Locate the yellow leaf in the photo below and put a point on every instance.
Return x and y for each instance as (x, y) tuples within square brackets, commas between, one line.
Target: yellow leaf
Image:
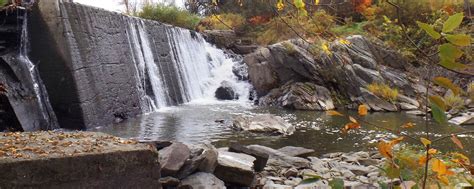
[(325, 48), (362, 110), (443, 179), (438, 101), (408, 125), (457, 141), (344, 41), (447, 83), (396, 141), (280, 6), (432, 151), (385, 148), (422, 160), (353, 120), (438, 166), (460, 159), (425, 141), (333, 113), (316, 2)]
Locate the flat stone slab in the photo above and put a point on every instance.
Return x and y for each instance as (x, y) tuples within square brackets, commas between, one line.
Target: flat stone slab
[(296, 151), (76, 159)]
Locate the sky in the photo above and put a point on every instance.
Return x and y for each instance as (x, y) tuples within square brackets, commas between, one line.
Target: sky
[(114, 5)]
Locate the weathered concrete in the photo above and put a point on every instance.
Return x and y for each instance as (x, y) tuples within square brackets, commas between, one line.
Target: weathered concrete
[(76, 160)]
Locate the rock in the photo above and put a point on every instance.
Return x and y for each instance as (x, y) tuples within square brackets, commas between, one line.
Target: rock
[(264, 123), (368, 161), (226, 92), (406, 106), (169, 182), (260, 158), (172, 158), (296, 151), (272, 185), (275, 154), (375, 103), (261, 74), (221, 38), (159, 144), (241, 70), (204, 159), (358, 170), (408, 100), (244, 49), (299, 96), (201, 180), (415, 112), (235, 168), (292, 172), (464, 119)]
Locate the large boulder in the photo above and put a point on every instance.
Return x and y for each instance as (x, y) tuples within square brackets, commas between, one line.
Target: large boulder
[(296, 151), (172, 158), (281, 156), (261, 74), (203, 159), (202, 180), (260, 158), (226, 92), (235, 168), (300, 96), (265, 123)]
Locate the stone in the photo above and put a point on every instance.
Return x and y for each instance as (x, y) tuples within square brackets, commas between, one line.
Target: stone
[(203, 159), (408, 100), (275, 154), (226, 92), (201, 180), (368, 161), (464, 119), (173, 157), (235, 168), (244, 49), (292, 172), (406, 106), (296, 151), (415, 112), (261, 74), (265, 123), (221, 38), (169, 182), (358, 170), (116, 163), (272, 185), (299, 96), (375, 103), (159, 144), (260, 158)]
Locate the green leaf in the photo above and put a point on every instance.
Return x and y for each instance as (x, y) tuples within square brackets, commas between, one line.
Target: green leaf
[(429, 29), (311, 179), (453, 22), (393, 172), (336, 183), (447, 83), (438, 101), (384, 185), (459, 40), (452, 64), (449, 51), (438, 114)]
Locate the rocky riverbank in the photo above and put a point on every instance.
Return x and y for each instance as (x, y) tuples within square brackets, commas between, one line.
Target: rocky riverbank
[(256, 166)]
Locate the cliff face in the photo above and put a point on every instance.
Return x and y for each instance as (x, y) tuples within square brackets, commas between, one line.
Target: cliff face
[(96, 64)]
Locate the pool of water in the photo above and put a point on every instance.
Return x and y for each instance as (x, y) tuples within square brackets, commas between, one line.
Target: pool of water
[(196, 123)]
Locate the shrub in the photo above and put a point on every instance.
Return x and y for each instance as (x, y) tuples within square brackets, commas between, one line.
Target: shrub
[(454, 102), (383, 91), (170, 15), (3, 3), (470, 90), (229, 21), (290, 49)]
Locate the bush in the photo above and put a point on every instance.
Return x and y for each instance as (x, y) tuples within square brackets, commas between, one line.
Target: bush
[(383, 91), (170, 15), (227, 21), (470, 90), (454, 102)]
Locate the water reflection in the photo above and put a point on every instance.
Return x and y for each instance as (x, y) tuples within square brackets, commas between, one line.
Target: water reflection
[(315, 130)]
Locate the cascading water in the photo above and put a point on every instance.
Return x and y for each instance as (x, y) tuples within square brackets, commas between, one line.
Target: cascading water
[(199, 69), (49, 120)]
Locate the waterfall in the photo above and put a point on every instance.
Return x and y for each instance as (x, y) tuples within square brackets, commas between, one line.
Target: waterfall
[(29, 71), (198, 68)]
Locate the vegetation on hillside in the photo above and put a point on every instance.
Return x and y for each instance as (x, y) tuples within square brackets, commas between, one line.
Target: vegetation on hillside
[(170, 15)]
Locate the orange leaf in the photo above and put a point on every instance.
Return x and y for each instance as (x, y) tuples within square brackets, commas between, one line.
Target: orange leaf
[(396, 141), (457, 141), (363, 110), (333, 113), (438, 166), (432, 151), (385, 149), (353, 120), (350, 126), (422, 160), (443, 179), (408, 125), (460, 159)]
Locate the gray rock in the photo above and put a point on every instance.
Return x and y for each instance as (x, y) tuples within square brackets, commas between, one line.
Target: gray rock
[(261, 158), (172, 158), (406, 106), (464, 119), (415, 112), (358, 170), (235, 168), (264, 123), (261, 73), (296, 151), (275, 154), (408, 100), (292, 172), (226, 92), (272, 185), (203, 159), (169, 182), (201, 180), (375, 103)]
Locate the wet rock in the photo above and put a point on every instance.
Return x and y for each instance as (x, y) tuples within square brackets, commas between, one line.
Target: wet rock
[(244, 49), (261, 73), (260, 158), (264, 123), (241, 70), (275, 154), (464, 119), (296, 151), (226, 92), (235, 168), (299, 96), (172, 158), (201, 180), (169, 182)]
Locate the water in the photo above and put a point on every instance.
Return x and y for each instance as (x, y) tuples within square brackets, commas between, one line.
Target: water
[(196, 123)]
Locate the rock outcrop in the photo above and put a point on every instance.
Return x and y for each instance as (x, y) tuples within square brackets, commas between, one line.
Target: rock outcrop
[(226, 92), (287, 74), (265, 123)]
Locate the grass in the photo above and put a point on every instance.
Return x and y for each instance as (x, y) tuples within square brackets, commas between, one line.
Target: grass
[(470, 90), (3, 3), (454, 102), (226, 21), (383, 91), (170, 15)]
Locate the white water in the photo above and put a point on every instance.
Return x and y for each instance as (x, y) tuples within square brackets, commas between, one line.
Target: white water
[(200, 69)]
